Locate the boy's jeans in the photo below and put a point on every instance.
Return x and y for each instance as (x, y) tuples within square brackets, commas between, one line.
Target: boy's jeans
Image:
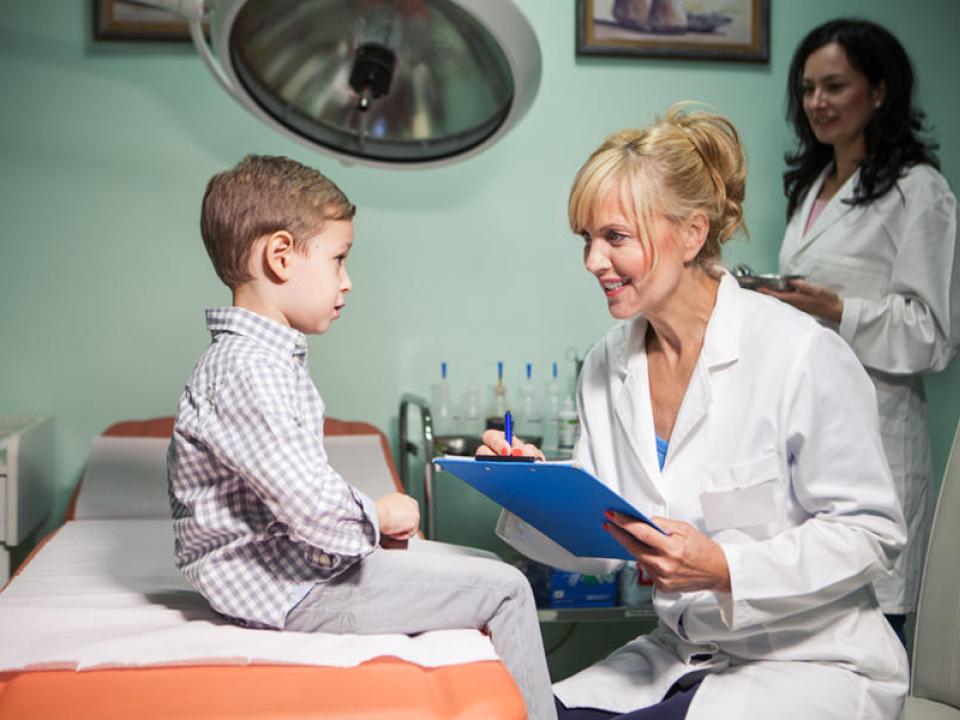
[(412, 591)]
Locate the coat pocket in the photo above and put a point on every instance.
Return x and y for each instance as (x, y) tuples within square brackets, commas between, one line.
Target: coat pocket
[(740, 496)]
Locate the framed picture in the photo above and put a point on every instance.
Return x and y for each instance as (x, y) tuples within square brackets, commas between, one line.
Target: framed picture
[(698, 29), (127, 20)]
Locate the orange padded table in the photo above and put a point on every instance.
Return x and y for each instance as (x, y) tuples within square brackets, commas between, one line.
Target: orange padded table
[(384, 688)]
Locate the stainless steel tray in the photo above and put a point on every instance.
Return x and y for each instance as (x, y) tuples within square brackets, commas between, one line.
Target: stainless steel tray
[(772, 281)]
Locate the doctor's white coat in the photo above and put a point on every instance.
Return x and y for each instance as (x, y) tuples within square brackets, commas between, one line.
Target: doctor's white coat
[(896, 264), (776, 455)]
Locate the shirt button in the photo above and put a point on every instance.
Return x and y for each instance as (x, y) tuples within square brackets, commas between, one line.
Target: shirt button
[(325, 560)]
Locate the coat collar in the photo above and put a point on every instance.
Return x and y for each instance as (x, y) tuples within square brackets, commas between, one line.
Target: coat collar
[(633, 406), (836, 208), (721, 344)]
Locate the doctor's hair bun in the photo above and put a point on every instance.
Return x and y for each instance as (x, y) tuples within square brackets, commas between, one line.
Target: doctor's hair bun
[(704, 168), (684, 163)]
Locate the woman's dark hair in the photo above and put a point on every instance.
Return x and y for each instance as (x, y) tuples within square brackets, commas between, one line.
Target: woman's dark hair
[(893, 133)]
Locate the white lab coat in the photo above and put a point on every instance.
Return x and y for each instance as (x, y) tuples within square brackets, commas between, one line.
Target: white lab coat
[(895, 264), (775, 454)]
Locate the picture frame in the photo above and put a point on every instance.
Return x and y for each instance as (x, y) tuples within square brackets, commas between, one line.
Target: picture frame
[(126, 20), (737, 30)]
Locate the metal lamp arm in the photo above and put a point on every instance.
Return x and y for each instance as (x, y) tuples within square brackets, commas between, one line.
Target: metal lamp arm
[(195, 22), (195, 12)]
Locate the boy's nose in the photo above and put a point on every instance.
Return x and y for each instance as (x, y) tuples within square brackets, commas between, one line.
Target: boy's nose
[(346, 284)]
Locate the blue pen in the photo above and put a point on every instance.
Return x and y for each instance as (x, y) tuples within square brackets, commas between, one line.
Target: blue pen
[(508, 428)]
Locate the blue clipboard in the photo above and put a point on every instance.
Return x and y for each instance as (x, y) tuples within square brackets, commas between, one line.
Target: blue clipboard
[(561, 500)]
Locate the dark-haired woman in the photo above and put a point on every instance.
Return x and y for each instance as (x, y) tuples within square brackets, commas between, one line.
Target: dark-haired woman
[(873, 230)]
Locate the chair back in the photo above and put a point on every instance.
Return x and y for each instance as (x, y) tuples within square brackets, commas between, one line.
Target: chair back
[(936, 649)]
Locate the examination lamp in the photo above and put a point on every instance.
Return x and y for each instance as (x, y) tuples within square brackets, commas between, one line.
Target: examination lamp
[(388, 83)]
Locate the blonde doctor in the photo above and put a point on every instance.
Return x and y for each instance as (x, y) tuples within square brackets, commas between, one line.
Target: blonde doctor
[(749, 432), (873, 229)]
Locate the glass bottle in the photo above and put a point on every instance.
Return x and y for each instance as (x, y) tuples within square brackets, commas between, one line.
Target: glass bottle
[(529, 419), (499, 404)]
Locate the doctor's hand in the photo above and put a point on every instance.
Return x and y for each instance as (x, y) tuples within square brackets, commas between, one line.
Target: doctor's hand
[(494, 443), (398, 515), (683, 560), (811, 298)]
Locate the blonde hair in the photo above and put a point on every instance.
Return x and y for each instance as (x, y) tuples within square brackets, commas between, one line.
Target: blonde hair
[(262, 195), (684, 162)]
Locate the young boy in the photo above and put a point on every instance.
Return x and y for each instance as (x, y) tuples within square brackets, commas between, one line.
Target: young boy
[(265, 529)]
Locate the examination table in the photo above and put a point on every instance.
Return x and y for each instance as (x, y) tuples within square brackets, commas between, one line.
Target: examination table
[(99, 624)]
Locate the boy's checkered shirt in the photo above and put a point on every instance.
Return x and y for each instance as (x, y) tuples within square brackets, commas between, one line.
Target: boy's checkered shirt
[(258, 513)]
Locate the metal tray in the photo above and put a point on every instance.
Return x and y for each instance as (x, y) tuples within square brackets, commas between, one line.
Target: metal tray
[(772, 281)]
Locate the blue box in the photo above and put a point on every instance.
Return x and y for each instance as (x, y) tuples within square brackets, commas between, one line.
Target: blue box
[(553, 588)]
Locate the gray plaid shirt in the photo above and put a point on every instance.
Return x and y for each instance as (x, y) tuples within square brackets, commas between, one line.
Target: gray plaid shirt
[(258, 513)]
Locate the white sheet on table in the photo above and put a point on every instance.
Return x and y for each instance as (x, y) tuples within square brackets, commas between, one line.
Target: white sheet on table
[(105, 593), (127, 477)]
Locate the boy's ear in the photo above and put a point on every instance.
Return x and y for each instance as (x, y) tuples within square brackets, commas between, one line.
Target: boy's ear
[(278, 251)]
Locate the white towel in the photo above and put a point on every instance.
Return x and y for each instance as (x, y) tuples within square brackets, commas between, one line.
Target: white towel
[(106, 593)]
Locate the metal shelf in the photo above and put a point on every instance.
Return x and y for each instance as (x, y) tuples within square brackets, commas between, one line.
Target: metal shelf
[(596, 614)]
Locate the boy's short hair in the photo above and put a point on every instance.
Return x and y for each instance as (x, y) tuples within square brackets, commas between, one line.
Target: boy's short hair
[(265, 194)]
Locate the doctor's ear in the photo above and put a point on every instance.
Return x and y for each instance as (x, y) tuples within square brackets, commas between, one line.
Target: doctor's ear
[(693, 235), (879, 94), (277, 250)]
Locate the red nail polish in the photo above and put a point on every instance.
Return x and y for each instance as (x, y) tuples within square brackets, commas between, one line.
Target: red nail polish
[(608, 514), (516, 451), (505, 451)]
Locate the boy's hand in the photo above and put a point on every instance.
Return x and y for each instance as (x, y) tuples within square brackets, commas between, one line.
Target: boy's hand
[(399, 516)]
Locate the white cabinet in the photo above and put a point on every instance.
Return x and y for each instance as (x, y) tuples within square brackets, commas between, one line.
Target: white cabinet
[(26, 481)]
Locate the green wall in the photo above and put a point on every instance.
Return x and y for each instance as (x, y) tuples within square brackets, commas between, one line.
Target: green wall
[(105, 150)]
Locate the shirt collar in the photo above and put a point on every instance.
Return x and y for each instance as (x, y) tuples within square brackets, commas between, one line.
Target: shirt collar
[(237, 321)]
